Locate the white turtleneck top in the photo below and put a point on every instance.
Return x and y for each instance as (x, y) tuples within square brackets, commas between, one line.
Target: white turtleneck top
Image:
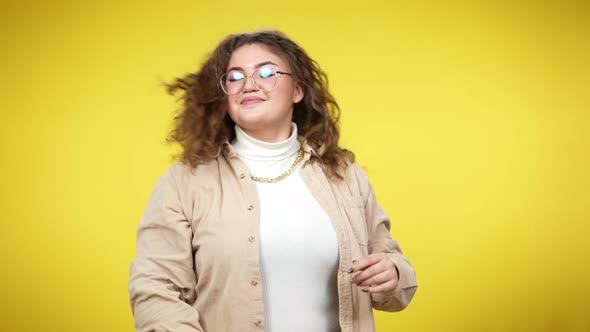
[(298, 244)]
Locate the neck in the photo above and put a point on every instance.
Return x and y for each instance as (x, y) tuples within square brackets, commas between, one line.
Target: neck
[(271, 135), (268, 137), (253, 148)]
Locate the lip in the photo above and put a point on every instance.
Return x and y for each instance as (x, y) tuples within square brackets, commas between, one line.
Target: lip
[(251, 100)]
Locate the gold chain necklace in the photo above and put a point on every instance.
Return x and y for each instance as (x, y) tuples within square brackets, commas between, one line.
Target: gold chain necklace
[(284, 175)]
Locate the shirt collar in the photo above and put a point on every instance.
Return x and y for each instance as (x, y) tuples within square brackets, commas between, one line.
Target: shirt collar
[(228, 151)]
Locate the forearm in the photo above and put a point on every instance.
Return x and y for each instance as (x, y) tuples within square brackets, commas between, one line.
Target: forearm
[(158, 305)]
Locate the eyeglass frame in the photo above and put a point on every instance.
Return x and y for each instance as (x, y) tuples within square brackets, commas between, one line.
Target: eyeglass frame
[(277, 73)]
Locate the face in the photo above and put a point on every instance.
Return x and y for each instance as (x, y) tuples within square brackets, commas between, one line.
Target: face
[(264, 115)]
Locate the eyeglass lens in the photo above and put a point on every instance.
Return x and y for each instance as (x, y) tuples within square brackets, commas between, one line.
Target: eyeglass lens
[(263, 79)]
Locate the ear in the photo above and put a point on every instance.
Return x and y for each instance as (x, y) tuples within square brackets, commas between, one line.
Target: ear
[(298, 93)]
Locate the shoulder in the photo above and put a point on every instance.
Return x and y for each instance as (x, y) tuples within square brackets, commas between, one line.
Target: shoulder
[(355, 181), (181, 170), (188, 186), (354, 173), (183, 176)]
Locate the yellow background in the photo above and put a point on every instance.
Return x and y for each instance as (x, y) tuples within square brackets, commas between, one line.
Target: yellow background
[(471, 119)]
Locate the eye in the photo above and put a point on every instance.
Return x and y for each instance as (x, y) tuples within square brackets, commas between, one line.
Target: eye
[(235, 76), (266, 72)]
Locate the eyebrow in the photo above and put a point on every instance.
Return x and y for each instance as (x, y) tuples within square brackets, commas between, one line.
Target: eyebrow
[(255, 67)]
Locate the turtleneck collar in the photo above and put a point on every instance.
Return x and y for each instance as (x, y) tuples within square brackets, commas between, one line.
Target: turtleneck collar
[(250, 148)]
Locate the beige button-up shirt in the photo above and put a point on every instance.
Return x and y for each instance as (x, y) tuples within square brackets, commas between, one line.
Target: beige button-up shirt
[(198, 267)]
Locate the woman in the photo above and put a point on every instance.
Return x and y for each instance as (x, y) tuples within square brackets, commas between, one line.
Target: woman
[(266, 224)]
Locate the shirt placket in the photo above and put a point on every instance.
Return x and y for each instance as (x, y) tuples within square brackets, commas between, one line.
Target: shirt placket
[(253, 278), (319, 186)]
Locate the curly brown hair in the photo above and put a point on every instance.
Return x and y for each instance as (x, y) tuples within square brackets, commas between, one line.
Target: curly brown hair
[(203, 123)]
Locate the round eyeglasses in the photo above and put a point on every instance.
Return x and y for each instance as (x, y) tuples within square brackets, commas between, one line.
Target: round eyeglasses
[(263, 79)]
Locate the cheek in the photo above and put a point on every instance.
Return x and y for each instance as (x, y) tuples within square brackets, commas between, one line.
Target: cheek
[(285, 94), (232, 102), (232, 108)]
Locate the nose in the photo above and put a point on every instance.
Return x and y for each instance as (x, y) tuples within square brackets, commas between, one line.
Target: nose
[(249, 85)]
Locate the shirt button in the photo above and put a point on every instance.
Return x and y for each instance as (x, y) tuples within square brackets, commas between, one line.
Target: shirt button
[(254, 283), (251, 239), (258, 323), (242, 176), (250, 208)]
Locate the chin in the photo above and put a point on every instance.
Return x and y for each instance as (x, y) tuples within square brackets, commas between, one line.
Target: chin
[(250, 112), (251, 123)]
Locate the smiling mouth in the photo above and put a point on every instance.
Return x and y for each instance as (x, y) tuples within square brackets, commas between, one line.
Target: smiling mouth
[(248, 101)]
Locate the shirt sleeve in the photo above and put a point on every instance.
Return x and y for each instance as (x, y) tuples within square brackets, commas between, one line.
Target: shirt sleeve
[(162, 278), (380, 240)]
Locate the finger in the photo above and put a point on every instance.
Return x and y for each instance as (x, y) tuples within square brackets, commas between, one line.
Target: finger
[(367, 261), (369, 272), (387, 287), (378, 279), (384, 264)]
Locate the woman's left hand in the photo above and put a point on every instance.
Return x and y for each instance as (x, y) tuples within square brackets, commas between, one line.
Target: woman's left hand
[(375, 273)]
